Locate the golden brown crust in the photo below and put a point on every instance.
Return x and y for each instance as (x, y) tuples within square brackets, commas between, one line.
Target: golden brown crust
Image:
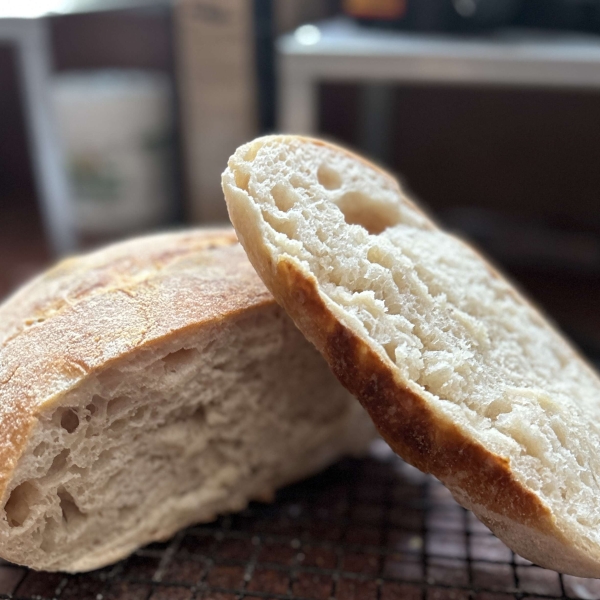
[(89, 311)]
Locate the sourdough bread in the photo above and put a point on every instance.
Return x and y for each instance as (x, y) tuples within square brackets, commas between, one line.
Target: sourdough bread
[(150, 385), (462, 376)]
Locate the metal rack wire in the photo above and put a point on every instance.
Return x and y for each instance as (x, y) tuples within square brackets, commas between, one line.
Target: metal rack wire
[(368, 529)]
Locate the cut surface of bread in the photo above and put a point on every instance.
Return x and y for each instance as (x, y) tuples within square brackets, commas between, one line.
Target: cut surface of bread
[(463, 377), (150, 385)]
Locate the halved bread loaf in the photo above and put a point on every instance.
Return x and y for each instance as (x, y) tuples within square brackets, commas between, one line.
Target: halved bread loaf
[(462, 376), (150, 385)]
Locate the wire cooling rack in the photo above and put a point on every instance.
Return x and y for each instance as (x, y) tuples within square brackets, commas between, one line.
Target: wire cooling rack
[(368, 529)]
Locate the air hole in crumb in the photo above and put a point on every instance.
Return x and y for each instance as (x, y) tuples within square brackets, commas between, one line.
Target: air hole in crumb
[(91, 409), (298, 181), (390, 350), (69, 421), (104, 459), (59, 462), (377, 256), (40, 449), (251, 152), (283, 197), (375, 217), (285, 227), (329, 178), (97, 408), (242, 180), (199, 415), (560, 432), (498, 407), (118, 405), (178, 359), (138, 417), (118, 425), (222, 365), (19, 503), (70, 511)]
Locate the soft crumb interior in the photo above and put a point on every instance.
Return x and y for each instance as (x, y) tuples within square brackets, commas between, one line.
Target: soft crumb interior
[(457, 332), (180, 434)]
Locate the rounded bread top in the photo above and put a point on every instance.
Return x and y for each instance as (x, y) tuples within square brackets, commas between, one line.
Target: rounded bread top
[(88, 311)]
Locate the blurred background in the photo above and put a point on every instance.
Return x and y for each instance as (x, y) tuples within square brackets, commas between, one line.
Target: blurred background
[(118, 116)]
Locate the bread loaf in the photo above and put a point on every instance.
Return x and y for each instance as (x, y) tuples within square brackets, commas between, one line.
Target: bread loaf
[(150, 385), (462, 376)]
